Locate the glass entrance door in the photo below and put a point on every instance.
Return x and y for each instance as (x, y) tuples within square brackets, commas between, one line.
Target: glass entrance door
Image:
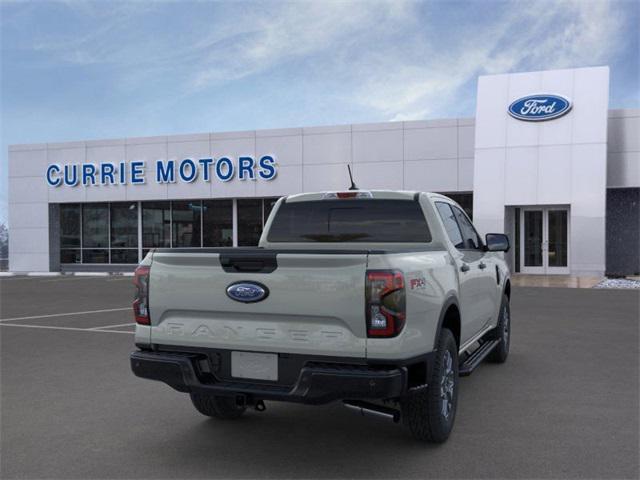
[(544, 241)]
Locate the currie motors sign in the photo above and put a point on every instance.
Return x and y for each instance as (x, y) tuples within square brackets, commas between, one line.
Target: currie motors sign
[(188, 170), (536, 108)]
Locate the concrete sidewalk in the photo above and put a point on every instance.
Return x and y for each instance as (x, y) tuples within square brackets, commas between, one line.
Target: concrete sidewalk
[(555, 281)]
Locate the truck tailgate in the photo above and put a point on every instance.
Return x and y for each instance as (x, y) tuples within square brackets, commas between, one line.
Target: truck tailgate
[(315, 303)]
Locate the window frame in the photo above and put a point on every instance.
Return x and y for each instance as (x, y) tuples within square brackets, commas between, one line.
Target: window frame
[(453, 205), (436, 203)]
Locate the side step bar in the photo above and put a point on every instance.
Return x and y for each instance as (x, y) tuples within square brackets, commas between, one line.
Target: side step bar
[(469, 365)]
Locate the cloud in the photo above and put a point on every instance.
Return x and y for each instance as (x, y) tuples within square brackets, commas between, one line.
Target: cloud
[(538, 36), (393, 57), (291, 31)]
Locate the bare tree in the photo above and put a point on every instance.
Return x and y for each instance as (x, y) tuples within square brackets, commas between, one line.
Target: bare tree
[(4, 241)]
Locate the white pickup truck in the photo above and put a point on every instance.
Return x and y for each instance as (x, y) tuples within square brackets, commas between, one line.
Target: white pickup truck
[(379, 299)]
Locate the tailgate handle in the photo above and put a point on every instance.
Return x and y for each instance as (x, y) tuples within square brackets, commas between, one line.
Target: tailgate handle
[(251, 263)]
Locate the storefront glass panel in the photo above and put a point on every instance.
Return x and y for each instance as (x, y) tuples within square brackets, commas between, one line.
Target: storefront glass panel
[(186, 223), (95, 225), (156, 224), (558, 241), (249, 222), (217, 223)]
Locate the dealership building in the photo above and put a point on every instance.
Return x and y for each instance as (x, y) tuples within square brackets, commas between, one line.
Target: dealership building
[(544, 160)]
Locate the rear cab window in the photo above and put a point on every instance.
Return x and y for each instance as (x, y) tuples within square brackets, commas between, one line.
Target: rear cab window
[(350, 220)]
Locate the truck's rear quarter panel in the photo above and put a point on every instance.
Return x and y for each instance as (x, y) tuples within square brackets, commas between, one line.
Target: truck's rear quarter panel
[(429, 279), (315, 304)]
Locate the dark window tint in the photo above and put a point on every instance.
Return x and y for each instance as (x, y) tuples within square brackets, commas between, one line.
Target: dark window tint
[(465, 200), (95, 225), (70, 255), (217, 223), (269, 203), (249, 222), (124, 225), (127, 255), (156, 224), (450, 224), (186, 223), (69, 226), (358, 220), (471, 238), (95, 256)]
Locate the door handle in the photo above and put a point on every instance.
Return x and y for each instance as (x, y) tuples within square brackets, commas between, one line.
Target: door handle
[(482, 266), (464, 268)]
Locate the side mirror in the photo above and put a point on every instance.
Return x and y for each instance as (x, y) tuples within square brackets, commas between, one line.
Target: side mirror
[(497, 242)]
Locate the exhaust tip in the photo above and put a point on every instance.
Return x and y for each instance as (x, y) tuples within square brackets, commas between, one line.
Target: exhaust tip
[(367, 409)]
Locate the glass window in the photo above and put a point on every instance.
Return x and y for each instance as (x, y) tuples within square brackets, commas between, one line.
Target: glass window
[(269, 203), (95, 225), (124, 225), (558, 241), (156, 224), (533, 234), (95, 255), (69, 225), (367, 220), (125, 255), (186, 223), (471, 238), (450, 224), (249, 222), (217, 223), (465, 200), (70, 255)]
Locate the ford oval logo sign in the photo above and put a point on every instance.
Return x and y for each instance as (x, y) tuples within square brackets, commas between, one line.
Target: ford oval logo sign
[(247, 292), (536, 108)]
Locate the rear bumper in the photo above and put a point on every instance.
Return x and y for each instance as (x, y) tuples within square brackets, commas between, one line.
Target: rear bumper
[(316, 383)]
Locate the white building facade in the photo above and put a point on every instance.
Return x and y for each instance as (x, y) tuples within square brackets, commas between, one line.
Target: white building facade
[(544, 160)]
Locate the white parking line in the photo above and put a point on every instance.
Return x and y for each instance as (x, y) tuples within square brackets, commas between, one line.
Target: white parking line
[(63, 328), (112, 326), (69, 278), (88, 312)]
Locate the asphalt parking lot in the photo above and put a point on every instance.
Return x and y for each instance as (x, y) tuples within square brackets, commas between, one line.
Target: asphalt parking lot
[(565, 405)]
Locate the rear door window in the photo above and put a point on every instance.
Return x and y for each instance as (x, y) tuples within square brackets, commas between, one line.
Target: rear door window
[(350, 220)]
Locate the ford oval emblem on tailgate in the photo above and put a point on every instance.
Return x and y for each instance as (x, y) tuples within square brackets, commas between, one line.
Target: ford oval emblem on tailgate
[(247, 292)]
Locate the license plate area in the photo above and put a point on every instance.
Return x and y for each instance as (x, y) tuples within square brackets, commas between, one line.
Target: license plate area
[(256, 366)]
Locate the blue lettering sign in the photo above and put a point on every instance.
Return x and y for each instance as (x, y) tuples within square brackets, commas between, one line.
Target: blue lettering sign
[(71, 175), (137, 172), (165, 173), (51, 180), (267, 168), (224, 164), (206, 166), (245, 168), (188, 174), (106, 173)]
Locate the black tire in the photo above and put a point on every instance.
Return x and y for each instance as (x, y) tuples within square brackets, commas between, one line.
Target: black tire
[(217, 407), (503, 333), (424, 410)]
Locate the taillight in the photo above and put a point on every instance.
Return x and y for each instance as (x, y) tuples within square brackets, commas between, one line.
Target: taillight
[(141, 298), (385, 303)]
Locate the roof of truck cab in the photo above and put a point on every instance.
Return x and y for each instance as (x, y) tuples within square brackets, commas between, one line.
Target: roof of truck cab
[(382, 194)]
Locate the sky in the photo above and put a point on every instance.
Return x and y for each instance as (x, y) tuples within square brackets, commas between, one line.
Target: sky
[(74, 70)]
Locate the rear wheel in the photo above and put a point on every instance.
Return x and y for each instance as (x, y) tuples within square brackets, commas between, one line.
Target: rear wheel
[(430, 412), (216, 406)]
